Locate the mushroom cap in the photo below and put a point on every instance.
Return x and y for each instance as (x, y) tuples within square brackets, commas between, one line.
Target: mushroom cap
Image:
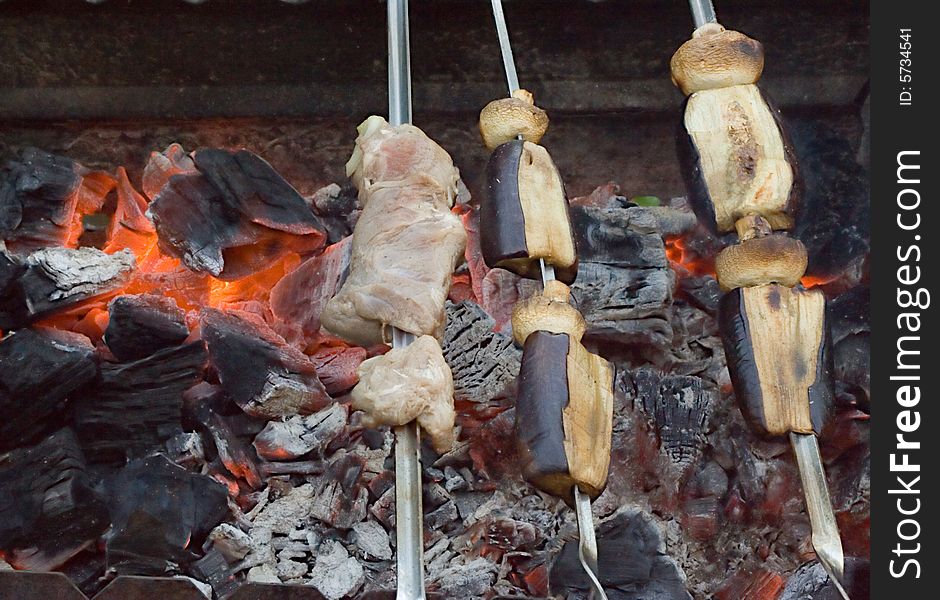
[(761, 260), (716, 58), (548, 311), (507, 118)]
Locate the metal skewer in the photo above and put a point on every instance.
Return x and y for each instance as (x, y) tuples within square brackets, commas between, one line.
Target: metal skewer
[(587, 542), (826, 540), (509, 64), (702, 12), (408, 510)]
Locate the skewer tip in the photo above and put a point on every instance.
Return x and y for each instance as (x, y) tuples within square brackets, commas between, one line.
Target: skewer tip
[(587, 543), (831, 558)]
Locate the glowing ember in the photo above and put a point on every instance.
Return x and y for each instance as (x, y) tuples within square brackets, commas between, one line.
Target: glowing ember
[(685, 261)]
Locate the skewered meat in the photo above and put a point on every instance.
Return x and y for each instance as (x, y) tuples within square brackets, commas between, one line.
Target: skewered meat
[(406, 243), (386, 155), (405, 248), (413, 382)]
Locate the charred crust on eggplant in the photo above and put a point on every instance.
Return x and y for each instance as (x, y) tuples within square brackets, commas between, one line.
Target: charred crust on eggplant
[(503, 236), (739, 353), (690, 161), (540, 404), (821, 396)]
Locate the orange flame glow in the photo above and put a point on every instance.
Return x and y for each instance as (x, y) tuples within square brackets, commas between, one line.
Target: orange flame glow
[(686, 262)]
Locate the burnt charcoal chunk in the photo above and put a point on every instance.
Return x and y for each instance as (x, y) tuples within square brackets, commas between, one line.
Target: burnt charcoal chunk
[(160, 512), (234, 217), (13, 310), (337, 367), (338, 208), (299, 297), (624, 285), (39, 368), (55, 278), (811, 582), (226, 430), (140, 325), (136, 406), (626, 237), (625, 305), (215, 570), (297, 436), (483, 361), (235, 452), (702, 291), (851, 353), (258, 370), (251, 185), (38, 195), (678, 406), (10, 271), (542, 398), (632, 563), (834, 222), (47, 504), (85, 570)]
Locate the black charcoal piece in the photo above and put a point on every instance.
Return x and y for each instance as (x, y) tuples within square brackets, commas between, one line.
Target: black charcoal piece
[(39, 369), (624, 285), (235, 451), (52, 279), (484, 362), (625, 305), (258, 370), (297, 436), (702, 291), (234, 217), (10, 271), (38, 195), (227, 431), (834, 222), (139, 325), (160, 512), (215, 570), (135, 407), (626, 237), (632, 562), (48, 510), (678, 406), (338, 209)]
